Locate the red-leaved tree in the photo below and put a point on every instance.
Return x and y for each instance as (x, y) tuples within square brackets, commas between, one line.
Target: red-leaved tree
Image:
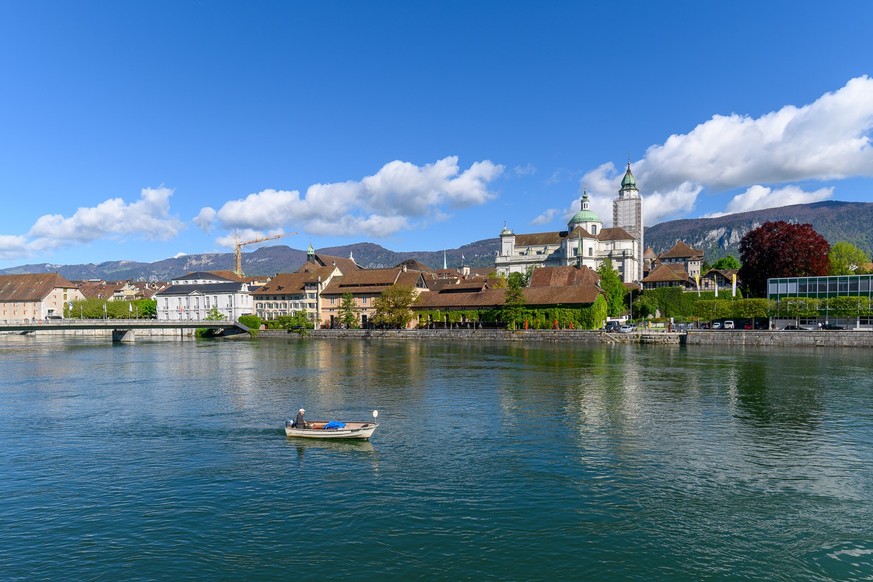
[(780, 249)]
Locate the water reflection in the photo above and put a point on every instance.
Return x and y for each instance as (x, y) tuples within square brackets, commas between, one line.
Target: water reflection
[(607, 462)]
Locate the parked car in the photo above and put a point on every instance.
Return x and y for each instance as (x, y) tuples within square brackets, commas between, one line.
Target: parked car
[(832, 326), (627, 328), (792, 327), (612, 326), (728, 324), (716, 325)]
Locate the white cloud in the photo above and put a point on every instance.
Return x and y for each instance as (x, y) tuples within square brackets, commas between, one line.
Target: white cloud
[(13, 247), (826, 140), (525, 170), (758, 197), (546, 217), (148, 218), (400, 196), (659, 205)]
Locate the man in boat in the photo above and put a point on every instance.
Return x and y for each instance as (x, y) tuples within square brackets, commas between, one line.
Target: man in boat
[(299, 422)]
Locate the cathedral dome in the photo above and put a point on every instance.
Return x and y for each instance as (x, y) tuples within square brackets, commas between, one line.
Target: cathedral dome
[(584, 215)]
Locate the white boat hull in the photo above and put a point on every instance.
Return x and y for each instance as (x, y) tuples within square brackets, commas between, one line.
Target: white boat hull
[(352, 430)]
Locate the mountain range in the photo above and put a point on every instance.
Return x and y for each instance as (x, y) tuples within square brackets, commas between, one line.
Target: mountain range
[(717, 236), (720, 236)]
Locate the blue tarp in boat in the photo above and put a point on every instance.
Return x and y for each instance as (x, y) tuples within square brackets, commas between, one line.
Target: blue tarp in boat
[(334, 424)]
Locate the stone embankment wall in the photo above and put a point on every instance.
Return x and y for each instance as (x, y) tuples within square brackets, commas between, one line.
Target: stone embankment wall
[(817, 338), (856, 338), (549, 335)]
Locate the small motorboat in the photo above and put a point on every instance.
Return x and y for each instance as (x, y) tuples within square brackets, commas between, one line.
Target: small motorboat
[(320, 429)]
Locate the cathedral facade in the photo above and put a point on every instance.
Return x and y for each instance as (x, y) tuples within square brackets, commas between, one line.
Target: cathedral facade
[(585, 242)]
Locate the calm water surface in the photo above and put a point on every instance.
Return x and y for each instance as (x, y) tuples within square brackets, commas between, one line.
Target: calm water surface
[(506, 462)]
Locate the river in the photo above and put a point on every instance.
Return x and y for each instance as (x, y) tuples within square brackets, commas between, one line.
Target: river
[(167, 461)]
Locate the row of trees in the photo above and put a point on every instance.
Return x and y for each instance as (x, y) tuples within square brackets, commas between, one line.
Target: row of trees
[(676, 303), (793, 308), (100, 308)]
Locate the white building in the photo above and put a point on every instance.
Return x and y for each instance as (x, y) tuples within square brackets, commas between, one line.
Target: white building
[(584, 243), (194, 296)]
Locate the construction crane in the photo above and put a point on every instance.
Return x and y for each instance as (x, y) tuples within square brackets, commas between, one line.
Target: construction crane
[(237, 250)]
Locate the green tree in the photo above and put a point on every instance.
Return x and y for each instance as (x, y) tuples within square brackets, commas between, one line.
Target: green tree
[(517, 280), (145, 308), (595, 316), (253, 322), (644, 306), (726, 263), (614, 288), (297, 322), (513, 301), (847, 259), (214, 315), (496, 281), (845, 306), (393, 306), (347, 316)]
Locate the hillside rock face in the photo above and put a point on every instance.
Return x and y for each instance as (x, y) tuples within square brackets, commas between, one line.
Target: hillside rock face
[(719, 236)]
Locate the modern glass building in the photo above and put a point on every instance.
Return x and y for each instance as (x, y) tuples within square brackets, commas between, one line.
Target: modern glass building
[(820, 287)]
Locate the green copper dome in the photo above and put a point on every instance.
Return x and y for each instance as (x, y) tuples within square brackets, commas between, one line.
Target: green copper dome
[(584, 215), (628, 181)]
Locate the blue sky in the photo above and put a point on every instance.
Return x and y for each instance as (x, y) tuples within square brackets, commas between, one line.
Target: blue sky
[(145, 130)]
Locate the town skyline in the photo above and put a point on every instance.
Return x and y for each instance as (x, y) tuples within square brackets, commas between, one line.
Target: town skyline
[(145, 133)]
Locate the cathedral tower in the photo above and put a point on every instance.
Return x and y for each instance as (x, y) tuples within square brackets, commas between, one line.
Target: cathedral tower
[(627, 213)]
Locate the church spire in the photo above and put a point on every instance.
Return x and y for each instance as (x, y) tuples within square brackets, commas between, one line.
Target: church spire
[(628, 182)]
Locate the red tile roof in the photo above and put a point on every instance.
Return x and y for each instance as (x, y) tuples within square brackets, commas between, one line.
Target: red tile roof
[(31, 287), (614, 233), (563, 276), (682, 251), (344, 265), (667, 273), (290, 283), (372, 281)]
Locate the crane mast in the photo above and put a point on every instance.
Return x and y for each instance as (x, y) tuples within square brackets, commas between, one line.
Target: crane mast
[(237, 250)]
